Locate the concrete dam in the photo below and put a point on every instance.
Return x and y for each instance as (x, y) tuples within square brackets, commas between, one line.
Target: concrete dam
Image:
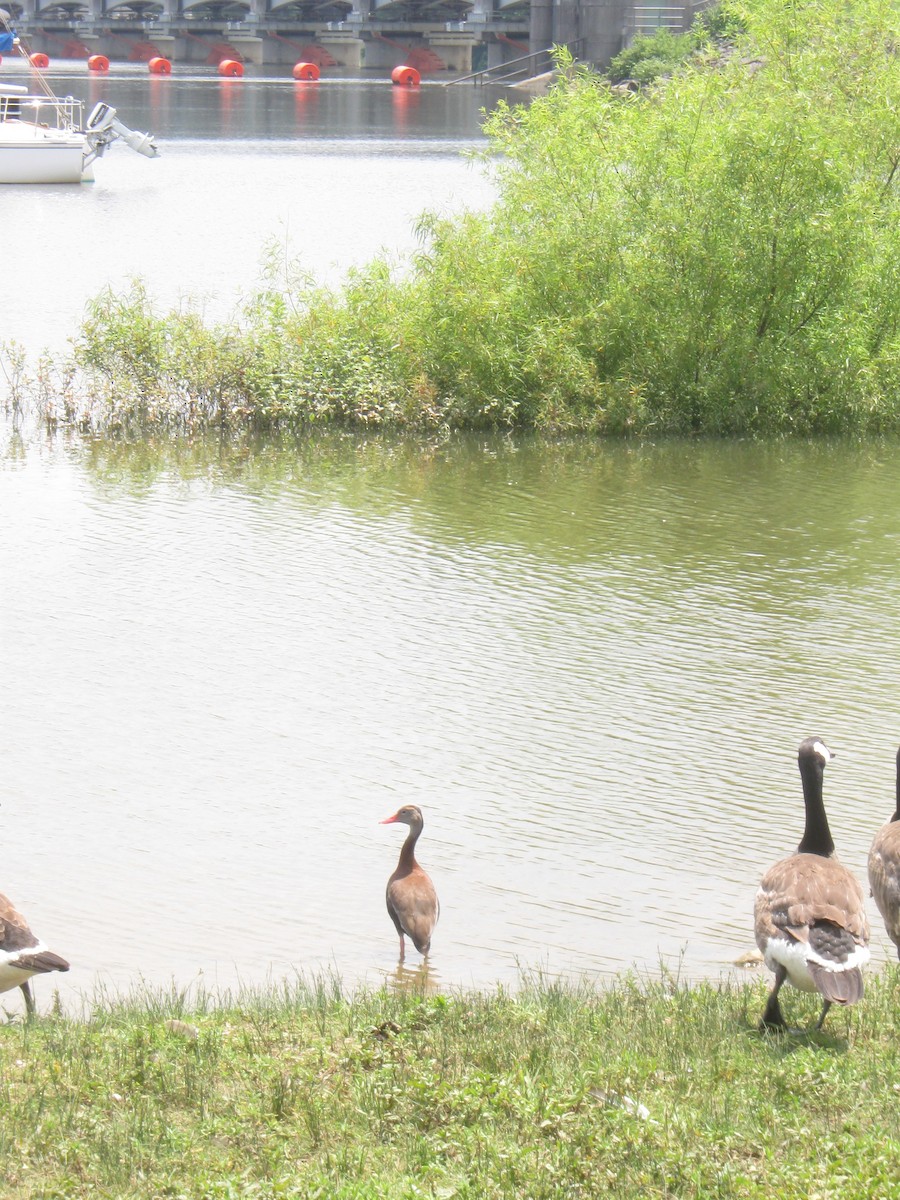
[(442, 38)]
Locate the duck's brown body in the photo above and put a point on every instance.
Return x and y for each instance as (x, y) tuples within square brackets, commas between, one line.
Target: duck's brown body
[(411, 898)]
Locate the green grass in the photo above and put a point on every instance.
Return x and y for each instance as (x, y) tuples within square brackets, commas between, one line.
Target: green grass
[(311, 1092)]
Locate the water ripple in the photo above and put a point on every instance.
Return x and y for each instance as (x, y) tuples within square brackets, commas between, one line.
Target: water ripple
[(216, 683)]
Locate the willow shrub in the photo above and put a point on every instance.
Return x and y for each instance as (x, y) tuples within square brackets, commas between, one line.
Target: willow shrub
[(298, 357), (718, 253)]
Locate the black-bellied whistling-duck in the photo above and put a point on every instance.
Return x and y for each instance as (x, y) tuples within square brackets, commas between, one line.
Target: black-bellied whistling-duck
[(411, 899), (22, 954), (810, 913), (884, 870)]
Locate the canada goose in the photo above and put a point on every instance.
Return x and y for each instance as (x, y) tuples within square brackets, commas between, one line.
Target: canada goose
[(412, 902), (810, 912), (884, 870), (22, 954)]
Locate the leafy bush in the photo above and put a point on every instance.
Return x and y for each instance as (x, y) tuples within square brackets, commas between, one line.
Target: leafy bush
[(652, 55), (718, 255), (721, 22)]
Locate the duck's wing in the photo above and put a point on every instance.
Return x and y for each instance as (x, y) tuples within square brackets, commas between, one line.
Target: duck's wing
[(412, 901)]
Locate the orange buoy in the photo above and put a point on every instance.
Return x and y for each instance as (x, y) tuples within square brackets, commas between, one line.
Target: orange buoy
[(406, 76), (159, 66), (305, 70), (39, 59), (228, 66), (98, 62)]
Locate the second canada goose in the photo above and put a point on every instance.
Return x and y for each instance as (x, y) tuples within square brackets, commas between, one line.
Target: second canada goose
[(810, 915), (412, 902), (22, 955), (884, 870)]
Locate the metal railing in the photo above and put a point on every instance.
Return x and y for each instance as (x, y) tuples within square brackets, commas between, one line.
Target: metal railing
[(516, 69), (647, 18), (54, 112)]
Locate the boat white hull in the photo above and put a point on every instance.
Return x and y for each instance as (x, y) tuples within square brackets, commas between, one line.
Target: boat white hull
[(40, 157)]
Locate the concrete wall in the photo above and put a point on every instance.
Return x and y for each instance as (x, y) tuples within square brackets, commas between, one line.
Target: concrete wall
[(596, 27)]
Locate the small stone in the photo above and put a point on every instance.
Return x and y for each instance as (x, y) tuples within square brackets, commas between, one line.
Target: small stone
[(753, 958), (182, 1029)]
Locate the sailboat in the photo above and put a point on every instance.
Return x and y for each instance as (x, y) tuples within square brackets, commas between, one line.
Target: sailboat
[(44, 138)]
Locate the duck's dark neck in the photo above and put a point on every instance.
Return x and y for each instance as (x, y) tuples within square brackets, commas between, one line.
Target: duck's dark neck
[(408, 849), (816, 835)]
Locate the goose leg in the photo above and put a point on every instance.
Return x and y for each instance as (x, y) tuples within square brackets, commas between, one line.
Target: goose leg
[(402, 948), (772, 1018), (826, 1004), (29, 999)]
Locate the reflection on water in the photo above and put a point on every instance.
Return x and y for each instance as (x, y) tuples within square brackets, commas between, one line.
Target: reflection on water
[(414, 978), (334, 174), (274, 106), (591, 665)]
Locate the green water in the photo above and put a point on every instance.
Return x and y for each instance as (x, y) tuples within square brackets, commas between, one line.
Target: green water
[(590, 665)]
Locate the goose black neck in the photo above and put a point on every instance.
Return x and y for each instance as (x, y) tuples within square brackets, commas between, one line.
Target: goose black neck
[(816, 836), (896, 816)]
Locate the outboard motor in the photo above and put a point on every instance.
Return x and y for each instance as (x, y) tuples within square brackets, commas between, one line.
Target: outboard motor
[(104, 127)]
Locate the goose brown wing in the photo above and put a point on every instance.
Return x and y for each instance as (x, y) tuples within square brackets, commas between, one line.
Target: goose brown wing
[(14, 932), (805, 890)]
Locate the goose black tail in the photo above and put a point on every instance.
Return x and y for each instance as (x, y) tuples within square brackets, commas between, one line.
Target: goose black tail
[(840, 987)]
